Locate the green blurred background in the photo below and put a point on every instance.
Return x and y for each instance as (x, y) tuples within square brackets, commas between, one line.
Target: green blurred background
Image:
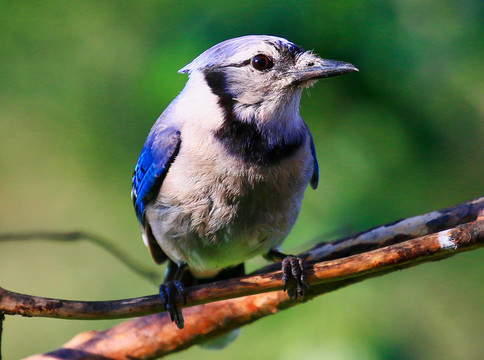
[(81, 83)]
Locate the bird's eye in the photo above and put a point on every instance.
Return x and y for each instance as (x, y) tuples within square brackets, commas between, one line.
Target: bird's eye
[(261, 62)]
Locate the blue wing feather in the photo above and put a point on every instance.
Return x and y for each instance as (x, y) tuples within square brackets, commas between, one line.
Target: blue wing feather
[(159, 151), (315, 178)]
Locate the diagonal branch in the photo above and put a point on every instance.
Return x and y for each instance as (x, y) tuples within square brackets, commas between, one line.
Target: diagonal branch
[(409, 253), (153, 336), (266, 279), (405, 243)]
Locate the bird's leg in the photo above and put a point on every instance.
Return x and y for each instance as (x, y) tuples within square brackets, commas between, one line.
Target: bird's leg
[(170, 288), (293, 269)]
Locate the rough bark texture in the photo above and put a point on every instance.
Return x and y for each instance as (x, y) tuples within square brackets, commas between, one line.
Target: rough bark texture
[(154, 335)]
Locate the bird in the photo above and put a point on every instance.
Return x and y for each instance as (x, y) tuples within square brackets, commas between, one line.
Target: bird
[(222, 173)]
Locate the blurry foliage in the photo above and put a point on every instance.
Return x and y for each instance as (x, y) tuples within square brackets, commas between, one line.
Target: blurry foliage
[(81, 83)]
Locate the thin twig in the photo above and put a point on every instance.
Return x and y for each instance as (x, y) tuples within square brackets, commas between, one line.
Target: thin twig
[(124, 257)]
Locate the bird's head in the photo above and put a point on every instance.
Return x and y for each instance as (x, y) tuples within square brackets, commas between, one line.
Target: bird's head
[(261, 77)]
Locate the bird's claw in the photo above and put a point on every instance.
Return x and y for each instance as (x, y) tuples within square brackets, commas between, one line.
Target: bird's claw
[(168, 293), (294, 269)]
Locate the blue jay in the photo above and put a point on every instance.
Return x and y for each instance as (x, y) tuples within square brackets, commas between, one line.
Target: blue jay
[(221, 176)]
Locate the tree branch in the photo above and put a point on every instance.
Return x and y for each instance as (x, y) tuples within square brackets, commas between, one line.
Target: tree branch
[(121, 255), (2, 319), (394, 257), (159, 337), (153, 336)]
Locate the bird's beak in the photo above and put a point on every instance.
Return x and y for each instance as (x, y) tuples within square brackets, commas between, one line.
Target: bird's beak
[(317, 68)]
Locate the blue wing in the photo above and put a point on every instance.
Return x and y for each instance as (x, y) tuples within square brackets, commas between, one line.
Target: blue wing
[(159, 151), (315, 178)]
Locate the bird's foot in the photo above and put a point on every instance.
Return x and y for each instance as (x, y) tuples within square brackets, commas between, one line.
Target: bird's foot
[(294, 270), (168, 292)]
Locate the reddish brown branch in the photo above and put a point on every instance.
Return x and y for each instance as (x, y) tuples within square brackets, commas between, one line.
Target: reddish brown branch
[(159, 337), (427, 248), (399, 231), (2, 318), (265, 280)]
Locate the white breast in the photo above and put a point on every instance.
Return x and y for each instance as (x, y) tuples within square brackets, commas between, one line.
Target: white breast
[(215, 211)]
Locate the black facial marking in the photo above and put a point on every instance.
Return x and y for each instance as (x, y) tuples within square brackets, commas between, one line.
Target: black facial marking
[(216, 81), (244, 139), (241, 64), (287, 50), (295, 50)]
